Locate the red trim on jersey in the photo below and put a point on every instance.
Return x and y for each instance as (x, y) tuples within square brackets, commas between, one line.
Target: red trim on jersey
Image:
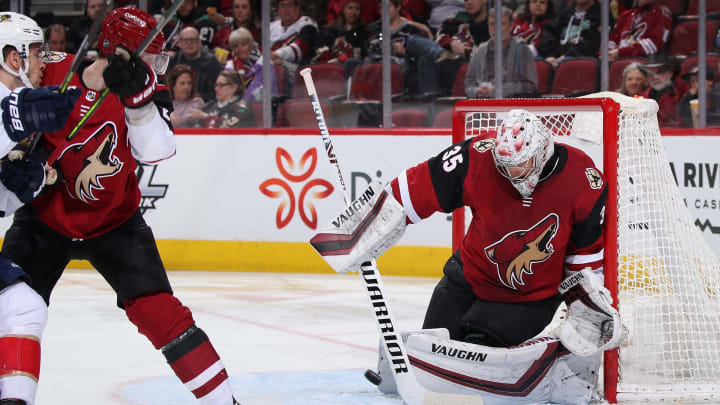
[(19, 355)]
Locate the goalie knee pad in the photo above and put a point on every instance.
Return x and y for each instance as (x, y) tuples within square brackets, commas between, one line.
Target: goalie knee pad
[(170, 327), (24, 315)]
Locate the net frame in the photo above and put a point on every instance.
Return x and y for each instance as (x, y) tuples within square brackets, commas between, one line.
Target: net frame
[(613, 107)]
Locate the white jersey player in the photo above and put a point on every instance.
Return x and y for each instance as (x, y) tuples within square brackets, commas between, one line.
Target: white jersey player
[(25, 110), (536, 237)]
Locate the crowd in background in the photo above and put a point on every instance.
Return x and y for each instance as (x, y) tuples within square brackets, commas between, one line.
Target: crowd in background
[(444, 50)]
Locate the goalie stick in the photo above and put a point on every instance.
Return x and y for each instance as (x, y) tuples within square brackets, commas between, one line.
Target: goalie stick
[(143, 45), (411, 392), (89, 38)]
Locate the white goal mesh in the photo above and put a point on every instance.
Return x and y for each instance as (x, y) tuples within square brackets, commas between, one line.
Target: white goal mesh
[(668, 279)]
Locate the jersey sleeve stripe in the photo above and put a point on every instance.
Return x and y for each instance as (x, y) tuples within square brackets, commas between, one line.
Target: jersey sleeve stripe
[(405, 198), (581, 259)]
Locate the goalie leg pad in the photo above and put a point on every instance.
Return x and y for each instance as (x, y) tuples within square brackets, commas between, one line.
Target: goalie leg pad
[(592, 325), (368, 227), (539, 370)]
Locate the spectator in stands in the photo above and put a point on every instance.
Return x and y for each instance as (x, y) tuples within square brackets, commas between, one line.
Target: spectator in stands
[(80, 26), (530, 23), (292, 37), (186, 101), (56, 38), (634, 80), (205, 66), (519, 71), (242, 16), (441, 10), (248, 62), (460, 34), (412, 48), (662, 90), (228, 110), (190, 15), (574, 32), (640, 31), (343, 40), (713, 98)]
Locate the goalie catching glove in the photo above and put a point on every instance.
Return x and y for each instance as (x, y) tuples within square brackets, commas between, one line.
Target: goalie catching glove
[(369, 226), (593, 324), (128, 76)]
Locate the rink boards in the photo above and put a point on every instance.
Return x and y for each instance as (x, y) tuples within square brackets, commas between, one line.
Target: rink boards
[(250, 200)]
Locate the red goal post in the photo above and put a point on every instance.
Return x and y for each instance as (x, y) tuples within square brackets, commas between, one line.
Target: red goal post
[(663, 277)]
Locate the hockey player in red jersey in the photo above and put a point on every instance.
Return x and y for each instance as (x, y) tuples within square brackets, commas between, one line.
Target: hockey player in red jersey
[(535, 238), (26, 109), (92, 213)]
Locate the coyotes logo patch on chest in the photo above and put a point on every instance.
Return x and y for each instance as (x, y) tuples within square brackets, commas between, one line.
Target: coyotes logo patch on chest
[(516, 252), (85, 163)]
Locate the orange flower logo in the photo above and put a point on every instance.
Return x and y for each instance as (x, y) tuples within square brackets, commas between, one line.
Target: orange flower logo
[(279, 188)]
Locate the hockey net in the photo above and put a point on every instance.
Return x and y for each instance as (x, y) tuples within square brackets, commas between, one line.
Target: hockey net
[(663, 276)]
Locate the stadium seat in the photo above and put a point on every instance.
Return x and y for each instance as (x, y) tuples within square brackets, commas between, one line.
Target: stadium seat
[(300, 114), (712, 65), (544, 74), (676, 7), (711, 6), (367, 82), (458, 89), (329, 81), (409, 117), (616, 71), (258, 112), (684, 38), (283, 85), (574, 76), (443, 119)]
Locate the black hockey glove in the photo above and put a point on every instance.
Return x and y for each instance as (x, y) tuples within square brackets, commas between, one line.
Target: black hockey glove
[(131, 79), (23, 177), (26, 111)]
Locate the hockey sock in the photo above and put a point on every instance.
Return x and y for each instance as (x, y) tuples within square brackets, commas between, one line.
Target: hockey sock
[(170, 327), (19, 367)]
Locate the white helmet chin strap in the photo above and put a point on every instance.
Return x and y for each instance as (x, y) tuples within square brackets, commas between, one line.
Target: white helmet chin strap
[(21, 73)]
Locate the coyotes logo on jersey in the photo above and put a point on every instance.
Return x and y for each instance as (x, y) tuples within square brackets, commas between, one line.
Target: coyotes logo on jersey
[(515, 253), (97, 161)]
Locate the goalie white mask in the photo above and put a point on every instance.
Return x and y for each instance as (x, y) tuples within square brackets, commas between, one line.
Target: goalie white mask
[(20, 32), (522, 147)]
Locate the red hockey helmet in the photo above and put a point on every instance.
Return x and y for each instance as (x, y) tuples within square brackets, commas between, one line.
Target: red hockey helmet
[(128, 27)]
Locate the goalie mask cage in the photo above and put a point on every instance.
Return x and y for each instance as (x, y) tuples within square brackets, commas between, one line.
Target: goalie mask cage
[(664, 278)]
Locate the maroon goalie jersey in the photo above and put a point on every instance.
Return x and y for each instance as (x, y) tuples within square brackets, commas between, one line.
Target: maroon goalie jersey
[(516, 249), (99, 189)]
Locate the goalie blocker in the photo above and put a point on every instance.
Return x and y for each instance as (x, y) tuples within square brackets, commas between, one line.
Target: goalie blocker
[(367, 227)]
